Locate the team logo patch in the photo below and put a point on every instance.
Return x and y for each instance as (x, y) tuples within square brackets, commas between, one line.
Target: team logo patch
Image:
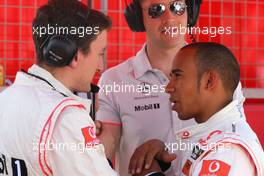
[(204, 142), (147, 107), (186, 167), (185, 134), (90, 136), (145, 88), (196, 152), (214, 168)]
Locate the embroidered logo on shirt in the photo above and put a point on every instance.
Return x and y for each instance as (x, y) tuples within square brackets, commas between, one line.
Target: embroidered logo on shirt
[(147, 107), (196, 152), (203, 142), (90, 137), (145, 88), (185, 134), (215, 168), (186, 167)]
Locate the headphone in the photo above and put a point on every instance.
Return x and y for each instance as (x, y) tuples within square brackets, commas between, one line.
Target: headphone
[(60, 50), (134, 18)]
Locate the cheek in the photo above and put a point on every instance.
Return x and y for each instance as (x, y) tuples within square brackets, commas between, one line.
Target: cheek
[(184, 18), (89, 67), (187, 94), (151, 25), (92, 62)]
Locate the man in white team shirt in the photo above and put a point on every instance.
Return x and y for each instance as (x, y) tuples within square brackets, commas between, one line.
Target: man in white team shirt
[(44, 128), (222, 143), (130, 117)]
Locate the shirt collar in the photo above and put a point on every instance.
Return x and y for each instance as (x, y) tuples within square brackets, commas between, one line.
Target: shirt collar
[(38, 71), (229, 114), (141, 63)]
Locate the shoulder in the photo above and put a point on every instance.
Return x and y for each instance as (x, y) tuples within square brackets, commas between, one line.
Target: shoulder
[(231, 159)]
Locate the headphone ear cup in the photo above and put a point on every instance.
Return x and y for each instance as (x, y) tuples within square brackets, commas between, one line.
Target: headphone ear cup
[(59, 51), (134, 18), (193, 9)]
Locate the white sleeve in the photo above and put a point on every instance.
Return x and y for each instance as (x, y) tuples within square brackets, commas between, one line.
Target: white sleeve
[(239, 96), (70, 155), (227, 161), (108, 108)]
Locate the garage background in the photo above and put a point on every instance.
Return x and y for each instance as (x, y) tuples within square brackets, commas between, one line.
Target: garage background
[(245, 17)]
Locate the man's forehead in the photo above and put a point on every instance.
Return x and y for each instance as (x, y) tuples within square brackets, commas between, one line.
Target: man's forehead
[(184, 57)]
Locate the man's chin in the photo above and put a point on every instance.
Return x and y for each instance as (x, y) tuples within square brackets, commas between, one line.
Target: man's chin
[(182, 117), (169, 42)]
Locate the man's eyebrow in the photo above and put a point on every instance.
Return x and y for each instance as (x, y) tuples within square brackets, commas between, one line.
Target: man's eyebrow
[(174, 71)]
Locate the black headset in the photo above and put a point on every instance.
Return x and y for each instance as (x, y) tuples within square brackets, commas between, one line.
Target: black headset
[(59, 50), (134, 18)]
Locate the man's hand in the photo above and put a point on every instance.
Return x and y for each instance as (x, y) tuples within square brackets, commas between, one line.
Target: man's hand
[(98, 126), (153, 168), (109, 136), (144, 155)]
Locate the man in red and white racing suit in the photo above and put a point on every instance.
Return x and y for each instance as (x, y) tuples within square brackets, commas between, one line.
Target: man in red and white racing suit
[(223, 145), (44, 128), (44, 133), (203, 78)]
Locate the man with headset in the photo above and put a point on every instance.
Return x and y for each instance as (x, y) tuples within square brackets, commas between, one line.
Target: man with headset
[(44, 128), (129, 118)]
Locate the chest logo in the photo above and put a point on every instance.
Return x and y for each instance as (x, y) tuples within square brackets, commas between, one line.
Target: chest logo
[(147, 107), (196, 152)]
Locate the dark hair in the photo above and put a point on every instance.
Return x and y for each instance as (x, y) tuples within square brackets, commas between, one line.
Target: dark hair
[(209, 55), (69, 13)]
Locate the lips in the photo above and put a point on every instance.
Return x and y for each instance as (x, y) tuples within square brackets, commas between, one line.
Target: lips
[(173, 100), (175, 104)]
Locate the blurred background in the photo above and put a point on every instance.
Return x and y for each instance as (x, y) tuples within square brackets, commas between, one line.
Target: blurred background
[(245, 17)]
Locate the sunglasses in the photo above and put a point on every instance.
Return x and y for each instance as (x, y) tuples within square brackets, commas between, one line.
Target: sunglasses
[(176, 7)]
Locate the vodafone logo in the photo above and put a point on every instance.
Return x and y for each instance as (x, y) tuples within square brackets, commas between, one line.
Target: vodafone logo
[(214, 167), (92, 132), (90, 136)]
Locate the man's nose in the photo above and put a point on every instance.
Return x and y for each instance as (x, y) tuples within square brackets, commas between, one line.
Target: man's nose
[(169, 88), (168, 15), (100, 66)]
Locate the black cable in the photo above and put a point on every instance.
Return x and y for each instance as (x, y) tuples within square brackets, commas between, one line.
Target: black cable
[(94, 90), (42, 79)]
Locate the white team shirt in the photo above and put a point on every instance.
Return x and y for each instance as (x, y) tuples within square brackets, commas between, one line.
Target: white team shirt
[(224, 145), (143, 115), (35, 117)]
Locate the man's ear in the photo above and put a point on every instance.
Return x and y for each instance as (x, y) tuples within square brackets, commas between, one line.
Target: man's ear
[(75, 60), (210, 79)]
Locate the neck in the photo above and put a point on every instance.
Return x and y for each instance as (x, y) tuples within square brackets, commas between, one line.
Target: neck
[(60, 75), (211, 109), (162, 58)]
